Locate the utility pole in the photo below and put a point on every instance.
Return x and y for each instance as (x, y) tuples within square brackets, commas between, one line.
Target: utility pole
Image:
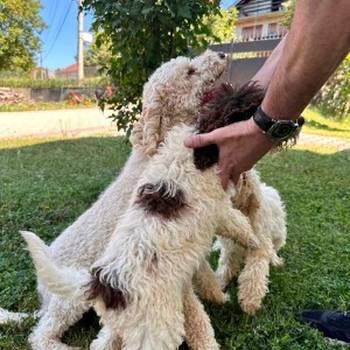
[(41, 65), (80, 54)]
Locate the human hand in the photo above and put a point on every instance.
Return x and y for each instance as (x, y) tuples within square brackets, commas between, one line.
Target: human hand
[(240, 145)]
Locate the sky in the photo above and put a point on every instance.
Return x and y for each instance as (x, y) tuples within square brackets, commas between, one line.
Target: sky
[(59, 39)]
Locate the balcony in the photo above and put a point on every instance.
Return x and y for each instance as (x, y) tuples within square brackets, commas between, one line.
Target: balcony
[(258, 7)]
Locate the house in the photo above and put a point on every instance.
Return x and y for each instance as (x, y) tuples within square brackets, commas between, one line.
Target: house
[(71, 72), (259, 19), (41, 73)]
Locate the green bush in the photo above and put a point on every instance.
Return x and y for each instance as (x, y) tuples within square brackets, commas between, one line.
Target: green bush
[(140, 36), (333, 98), (18, 82)]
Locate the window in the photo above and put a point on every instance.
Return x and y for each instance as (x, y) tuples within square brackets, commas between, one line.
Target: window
[(273, 29), (252, 32)]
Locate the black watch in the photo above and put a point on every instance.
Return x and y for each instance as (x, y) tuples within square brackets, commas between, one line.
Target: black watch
[(278, 130)]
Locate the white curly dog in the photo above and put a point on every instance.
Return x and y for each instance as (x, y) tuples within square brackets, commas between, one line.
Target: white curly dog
[(154, 252), (172, 95)]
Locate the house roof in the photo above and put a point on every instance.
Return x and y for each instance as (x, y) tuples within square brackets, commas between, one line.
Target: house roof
[(237, 2), (73, 68)]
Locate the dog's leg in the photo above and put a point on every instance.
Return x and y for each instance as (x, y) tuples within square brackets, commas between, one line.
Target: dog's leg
[(106, 340), (61, 314), (235, 225), (207, 286), (199, 331), (230, 260), (253, 280)]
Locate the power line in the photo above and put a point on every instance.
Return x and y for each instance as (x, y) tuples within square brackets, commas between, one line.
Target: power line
[(60, 29), (51, 18), (52, 11)]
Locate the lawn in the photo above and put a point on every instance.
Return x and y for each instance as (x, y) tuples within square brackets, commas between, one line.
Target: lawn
[(46, 184), (320, 124)]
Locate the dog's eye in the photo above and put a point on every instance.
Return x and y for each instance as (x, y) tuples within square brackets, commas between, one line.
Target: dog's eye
[(191, 71)]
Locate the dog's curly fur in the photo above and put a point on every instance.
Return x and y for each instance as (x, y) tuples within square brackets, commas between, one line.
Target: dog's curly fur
[(226, 106), (265, 210), (164, 199), (172, 95), (153, 316), (260, 203)]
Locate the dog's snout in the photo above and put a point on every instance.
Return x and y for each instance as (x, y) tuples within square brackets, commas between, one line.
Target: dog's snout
[(222, 55)]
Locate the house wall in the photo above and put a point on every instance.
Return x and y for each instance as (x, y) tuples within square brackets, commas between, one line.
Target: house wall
[(259, 19), (262, 26)]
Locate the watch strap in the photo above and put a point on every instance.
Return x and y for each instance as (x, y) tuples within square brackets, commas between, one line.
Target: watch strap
[(263, 121)]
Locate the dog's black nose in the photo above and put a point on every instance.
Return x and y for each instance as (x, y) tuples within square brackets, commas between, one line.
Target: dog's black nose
[(222, 55)]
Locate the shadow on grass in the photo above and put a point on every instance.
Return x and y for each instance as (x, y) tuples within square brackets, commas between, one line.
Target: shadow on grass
[(46, 186), (318, 125)]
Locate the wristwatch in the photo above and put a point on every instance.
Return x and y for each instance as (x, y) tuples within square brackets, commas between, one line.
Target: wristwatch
[(278, 130)]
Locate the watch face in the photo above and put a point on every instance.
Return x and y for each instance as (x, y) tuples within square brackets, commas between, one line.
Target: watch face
[(282, 129)]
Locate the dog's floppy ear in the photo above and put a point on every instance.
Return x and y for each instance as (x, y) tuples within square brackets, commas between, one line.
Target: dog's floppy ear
[(147, 132), (113, 298), (164, 198)]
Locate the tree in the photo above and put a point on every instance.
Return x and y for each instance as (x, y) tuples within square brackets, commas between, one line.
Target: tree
[(333, 98), (142, 35), (20, 25), (98, 55), (222, 25), (289, 8)]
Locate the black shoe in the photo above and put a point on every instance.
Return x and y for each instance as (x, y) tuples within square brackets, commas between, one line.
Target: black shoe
[(333, 324)]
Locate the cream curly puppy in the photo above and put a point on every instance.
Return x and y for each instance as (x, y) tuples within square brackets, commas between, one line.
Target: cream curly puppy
[(173, 94), (264, 208), (259, 202), (157, 247)]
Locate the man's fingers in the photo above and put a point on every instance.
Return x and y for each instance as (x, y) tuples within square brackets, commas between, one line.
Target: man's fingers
[(224, 181), (235, 178), (200, 140), (224, 178)]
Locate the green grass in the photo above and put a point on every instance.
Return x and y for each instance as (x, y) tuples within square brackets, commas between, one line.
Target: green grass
[(44, 106), (319, 124), (46, 184)]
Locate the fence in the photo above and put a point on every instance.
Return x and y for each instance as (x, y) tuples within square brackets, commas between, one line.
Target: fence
[(246, 57)]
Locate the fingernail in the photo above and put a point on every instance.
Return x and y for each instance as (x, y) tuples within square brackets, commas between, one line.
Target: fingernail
[(188, 141), (217, 171)]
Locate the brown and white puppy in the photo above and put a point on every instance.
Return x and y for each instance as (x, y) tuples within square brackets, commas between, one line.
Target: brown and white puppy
[(141, 280), (164, 199), (173, 94)]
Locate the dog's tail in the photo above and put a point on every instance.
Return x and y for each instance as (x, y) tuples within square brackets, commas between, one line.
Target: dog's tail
[(16, 317), (60, 280)]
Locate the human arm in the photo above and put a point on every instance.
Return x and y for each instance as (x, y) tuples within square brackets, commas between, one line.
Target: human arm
[(265, 73), (315, 46)]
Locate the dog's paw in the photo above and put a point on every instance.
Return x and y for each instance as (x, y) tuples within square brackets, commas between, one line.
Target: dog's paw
[(250, 308), (227, 297), (217, 246), (253, 242), (277, 261), (220, 275)]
